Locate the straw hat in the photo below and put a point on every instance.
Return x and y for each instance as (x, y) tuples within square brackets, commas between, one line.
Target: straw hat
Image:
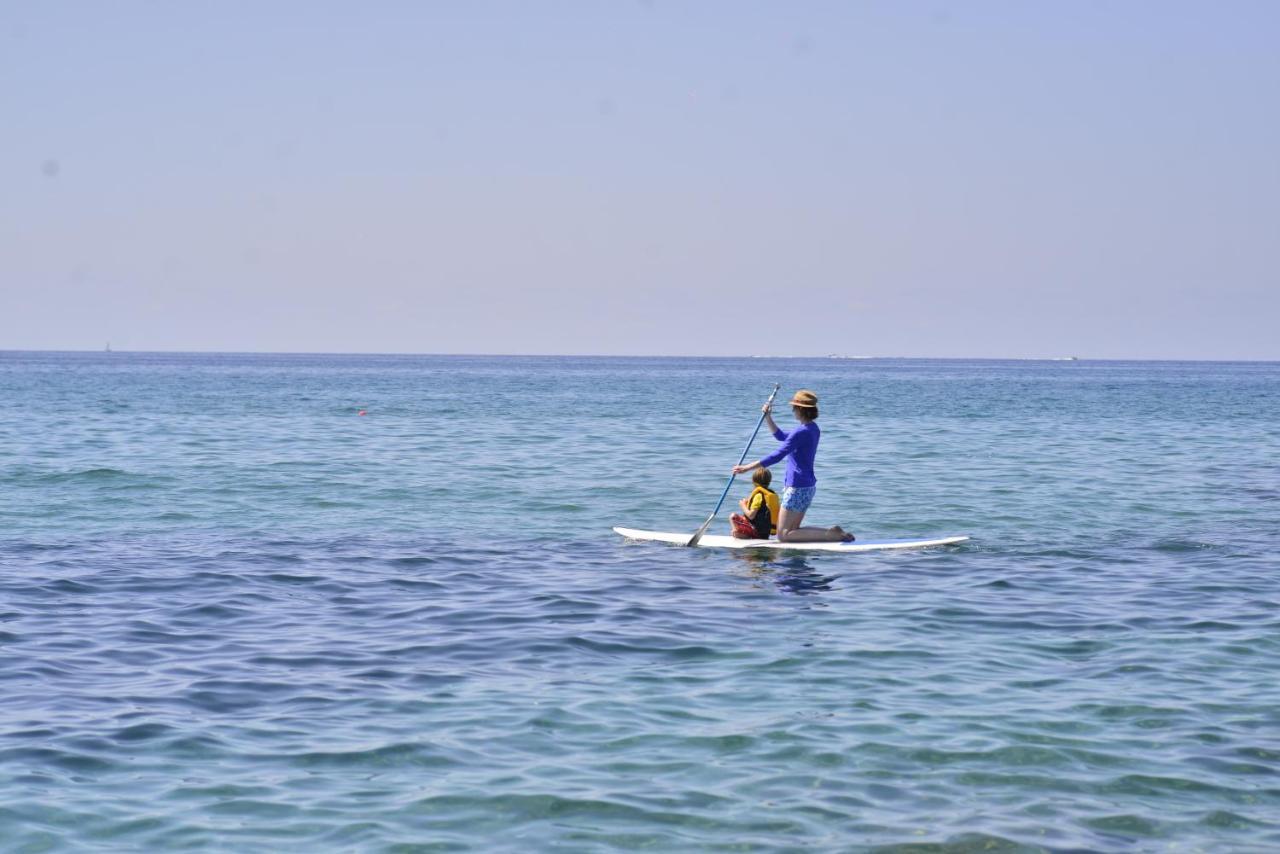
[(804, 398)]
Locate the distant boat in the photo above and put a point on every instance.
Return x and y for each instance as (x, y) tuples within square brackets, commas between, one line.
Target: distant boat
[(108, 350)]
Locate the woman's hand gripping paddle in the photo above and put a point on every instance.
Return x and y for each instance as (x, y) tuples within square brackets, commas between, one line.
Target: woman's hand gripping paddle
[(693, 541)]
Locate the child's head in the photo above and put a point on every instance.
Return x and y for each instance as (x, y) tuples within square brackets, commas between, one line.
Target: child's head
[(761, 477)]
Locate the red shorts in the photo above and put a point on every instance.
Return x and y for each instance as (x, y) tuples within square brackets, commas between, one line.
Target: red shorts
[(742, 527)]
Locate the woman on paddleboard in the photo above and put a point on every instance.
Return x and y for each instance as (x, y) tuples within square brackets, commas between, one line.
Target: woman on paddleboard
[(799, 447)]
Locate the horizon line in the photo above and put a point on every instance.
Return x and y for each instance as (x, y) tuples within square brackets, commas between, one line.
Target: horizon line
[(829, 356)]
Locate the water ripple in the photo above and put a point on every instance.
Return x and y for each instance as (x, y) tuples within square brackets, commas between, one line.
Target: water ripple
[(226, 628)]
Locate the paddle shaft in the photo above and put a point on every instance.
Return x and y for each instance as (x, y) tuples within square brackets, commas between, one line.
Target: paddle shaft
[(693, 541)]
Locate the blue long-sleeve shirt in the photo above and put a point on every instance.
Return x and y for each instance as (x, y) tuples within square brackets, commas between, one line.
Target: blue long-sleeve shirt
[(799, 446)]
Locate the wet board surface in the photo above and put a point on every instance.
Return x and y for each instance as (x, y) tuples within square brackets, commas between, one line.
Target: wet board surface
[(718, 541)]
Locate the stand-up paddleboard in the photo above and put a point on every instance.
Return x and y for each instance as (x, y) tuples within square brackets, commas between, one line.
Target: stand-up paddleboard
[(715, 541)]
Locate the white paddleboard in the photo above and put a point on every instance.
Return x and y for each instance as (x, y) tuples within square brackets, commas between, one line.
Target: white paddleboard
[(717, 541)]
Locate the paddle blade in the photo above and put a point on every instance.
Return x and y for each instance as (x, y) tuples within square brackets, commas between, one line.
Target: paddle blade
[(693, 541)]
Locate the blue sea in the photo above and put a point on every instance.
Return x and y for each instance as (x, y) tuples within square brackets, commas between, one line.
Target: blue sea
[(238, 615)]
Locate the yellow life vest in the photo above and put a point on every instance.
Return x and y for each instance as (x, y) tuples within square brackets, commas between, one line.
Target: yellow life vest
[(770, 499)]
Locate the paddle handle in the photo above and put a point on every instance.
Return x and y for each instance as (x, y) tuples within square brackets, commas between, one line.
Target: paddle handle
[(693, 541)]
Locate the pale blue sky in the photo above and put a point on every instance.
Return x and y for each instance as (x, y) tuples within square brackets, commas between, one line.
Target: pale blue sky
[(788, 178)]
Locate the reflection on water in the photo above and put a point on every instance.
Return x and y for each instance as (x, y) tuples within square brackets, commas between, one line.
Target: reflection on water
[(791, 574)]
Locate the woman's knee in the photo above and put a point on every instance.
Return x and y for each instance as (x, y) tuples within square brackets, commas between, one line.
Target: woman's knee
[(790, 519)]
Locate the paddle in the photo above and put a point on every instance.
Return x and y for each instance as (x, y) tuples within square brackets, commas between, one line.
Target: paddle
[(693, 541)]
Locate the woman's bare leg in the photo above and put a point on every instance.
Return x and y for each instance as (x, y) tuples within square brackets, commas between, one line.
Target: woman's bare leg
[(789, 530)]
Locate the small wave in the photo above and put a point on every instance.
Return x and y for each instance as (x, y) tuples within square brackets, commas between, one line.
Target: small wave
[(142, 732), (62, 759), (1148, 784), (1227, 820), (99, 473), (679, 653), (87, 475), (1128, 825), (101, 476), (401, 755), (1175, 546)]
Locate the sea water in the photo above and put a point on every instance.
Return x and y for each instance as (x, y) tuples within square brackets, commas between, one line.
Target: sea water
[(238, 614)]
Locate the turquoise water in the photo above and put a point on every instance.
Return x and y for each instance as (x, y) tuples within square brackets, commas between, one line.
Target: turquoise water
[(237, 615)]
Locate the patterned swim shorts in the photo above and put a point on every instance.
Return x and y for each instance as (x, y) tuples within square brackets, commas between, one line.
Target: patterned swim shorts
[(798, 498)]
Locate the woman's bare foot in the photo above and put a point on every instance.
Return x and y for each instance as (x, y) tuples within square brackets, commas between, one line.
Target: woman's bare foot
[(845, 536)]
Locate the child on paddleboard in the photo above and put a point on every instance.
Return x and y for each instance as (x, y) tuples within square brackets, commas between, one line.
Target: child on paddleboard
[(799, 448), (759, 516)]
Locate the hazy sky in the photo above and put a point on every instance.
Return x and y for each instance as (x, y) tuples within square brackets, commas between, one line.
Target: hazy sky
[(785, 178)]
